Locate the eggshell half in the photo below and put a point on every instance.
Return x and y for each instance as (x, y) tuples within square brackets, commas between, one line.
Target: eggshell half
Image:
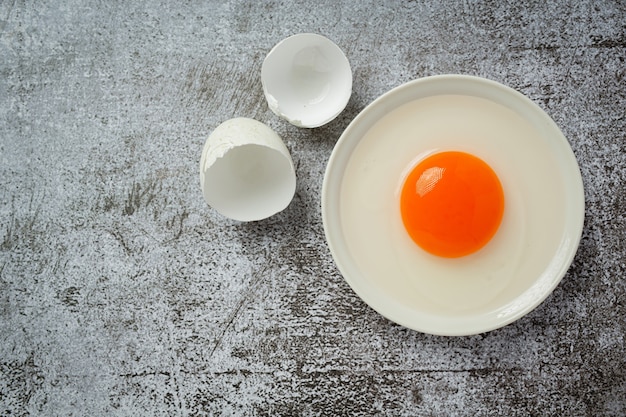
[(307, 80), (246, 171)]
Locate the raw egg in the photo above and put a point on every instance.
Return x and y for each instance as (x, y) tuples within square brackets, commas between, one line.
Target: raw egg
[(452, 204)]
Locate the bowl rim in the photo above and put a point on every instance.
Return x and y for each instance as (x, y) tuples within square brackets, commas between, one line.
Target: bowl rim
[(413, 90)]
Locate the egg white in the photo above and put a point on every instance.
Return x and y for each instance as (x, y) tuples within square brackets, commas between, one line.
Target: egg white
[(520, 251)]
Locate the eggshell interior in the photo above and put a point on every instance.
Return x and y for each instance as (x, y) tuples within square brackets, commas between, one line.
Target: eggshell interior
[(307, 80), (246, 171)]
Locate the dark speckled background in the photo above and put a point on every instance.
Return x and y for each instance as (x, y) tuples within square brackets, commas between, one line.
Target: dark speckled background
[(123, 294)]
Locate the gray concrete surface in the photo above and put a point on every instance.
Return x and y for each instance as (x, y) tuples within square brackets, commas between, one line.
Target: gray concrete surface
[(123, 294)]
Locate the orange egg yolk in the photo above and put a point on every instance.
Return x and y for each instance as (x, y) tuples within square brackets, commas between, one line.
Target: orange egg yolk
[(452, 204)]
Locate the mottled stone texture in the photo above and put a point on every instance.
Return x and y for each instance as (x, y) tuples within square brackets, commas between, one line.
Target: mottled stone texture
[(123, 294)]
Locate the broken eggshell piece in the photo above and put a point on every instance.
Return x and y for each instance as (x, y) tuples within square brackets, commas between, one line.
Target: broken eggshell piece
[(246, 171), (306, 80)]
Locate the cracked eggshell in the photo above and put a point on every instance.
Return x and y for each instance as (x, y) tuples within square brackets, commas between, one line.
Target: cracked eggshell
[(246, 171), (307, 80)]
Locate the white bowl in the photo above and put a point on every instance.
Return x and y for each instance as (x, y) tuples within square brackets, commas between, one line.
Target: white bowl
[(307, 80), (537, 239)]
